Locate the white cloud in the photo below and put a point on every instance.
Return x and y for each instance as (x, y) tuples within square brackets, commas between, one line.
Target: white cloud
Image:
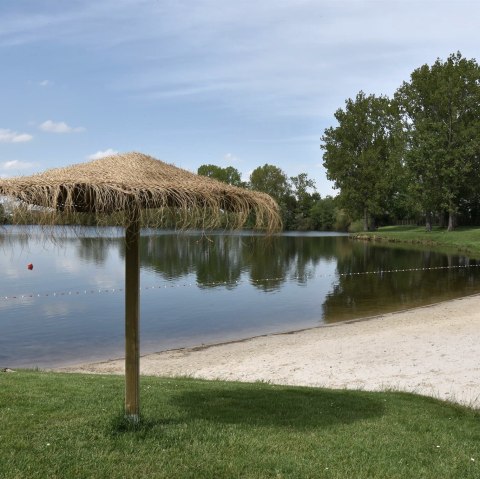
[(46, 83), (17, 165), (59, 127), (102, 154), (9, 136)]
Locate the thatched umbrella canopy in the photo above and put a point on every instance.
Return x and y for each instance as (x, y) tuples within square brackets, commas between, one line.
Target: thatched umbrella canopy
[(126, 185)]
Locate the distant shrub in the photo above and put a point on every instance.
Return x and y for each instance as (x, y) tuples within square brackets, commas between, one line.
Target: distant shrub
[(356, 226), (342, 220)]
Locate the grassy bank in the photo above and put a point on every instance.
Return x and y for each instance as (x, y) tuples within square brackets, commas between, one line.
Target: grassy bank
[(60, 425), (466, 240)]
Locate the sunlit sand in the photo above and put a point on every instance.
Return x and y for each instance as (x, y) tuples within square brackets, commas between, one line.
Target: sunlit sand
[(433, 350)]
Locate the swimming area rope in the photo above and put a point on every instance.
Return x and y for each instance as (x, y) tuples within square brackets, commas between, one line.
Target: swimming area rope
[(78, 292)]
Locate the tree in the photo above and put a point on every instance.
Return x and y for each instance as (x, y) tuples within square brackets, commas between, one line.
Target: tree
[(304, 200), (362, 154), (323, 214), (272, 180), (301, 184), (441, 113), (228, 175)]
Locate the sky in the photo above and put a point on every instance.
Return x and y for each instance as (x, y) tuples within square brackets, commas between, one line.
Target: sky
[(231, 83)]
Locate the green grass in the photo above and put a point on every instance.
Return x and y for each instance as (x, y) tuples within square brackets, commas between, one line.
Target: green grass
[(466, 240), (71, 426)]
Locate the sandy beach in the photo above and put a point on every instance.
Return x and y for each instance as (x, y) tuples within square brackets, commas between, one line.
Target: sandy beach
[(433, 350)]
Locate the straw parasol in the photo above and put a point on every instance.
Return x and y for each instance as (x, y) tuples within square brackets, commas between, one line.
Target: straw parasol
[(126, 185)]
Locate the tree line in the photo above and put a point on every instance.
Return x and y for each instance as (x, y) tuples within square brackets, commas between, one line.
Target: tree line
[(412, 158), (415, 156), (301, 206)]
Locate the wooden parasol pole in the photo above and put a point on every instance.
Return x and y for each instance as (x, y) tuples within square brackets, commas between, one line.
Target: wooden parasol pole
[(132, 333)]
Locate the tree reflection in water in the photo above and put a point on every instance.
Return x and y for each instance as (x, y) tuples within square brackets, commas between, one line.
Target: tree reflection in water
[(223, 260), (355, 296)]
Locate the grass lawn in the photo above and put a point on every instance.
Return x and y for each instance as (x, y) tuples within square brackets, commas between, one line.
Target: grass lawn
[(466, 240), (56, 425)]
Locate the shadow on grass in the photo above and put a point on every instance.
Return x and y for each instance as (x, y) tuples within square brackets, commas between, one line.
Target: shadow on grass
[(119, 425), (253, 405), (296, 408)]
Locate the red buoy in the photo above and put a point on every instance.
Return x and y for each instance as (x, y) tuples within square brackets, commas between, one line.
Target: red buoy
[(30, 266)]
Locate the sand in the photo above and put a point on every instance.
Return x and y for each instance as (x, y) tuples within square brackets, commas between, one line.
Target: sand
[(432, 350)]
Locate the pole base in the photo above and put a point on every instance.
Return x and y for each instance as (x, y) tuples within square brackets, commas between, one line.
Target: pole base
[(132, 418)]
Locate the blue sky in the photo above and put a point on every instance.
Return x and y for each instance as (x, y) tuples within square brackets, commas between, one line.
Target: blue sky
[(232, 83)]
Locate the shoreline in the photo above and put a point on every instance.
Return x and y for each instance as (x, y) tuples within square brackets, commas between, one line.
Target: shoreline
[(430, 350)]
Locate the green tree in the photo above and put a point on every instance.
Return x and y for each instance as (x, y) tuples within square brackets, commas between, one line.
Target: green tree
[(304, 200), (441, 112), (362, 154), (272, 180), (228, 175), (323, 214)]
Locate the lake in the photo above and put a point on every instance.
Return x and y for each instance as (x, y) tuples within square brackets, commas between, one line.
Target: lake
[(202, 288)]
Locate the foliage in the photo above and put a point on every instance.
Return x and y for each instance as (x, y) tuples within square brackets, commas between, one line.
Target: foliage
[(416, 156), (356, 226), (361, 154), (295, 195), (323, 214), (304, 201), (271, 180), (229, 175), (301, 185), (441, 110), (70, 425), (342, 220)]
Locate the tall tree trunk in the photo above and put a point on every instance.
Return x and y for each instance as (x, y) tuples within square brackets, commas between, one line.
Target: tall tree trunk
[(365, 219), (428, 221), (452, 220)]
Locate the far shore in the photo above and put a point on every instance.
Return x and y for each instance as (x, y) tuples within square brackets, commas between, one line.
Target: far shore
[(432, 350)]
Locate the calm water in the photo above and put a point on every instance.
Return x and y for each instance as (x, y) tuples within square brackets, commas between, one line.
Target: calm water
[(200, 289)]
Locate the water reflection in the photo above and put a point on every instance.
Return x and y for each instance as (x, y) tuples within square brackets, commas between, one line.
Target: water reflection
[(94, 250), (383, 291), (219, 258), (215, 288)]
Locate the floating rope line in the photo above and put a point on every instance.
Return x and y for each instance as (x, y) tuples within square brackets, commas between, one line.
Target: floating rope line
[(229, 283)]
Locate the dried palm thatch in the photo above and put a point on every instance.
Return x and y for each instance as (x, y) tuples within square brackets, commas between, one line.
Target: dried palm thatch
[(128, 184)]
